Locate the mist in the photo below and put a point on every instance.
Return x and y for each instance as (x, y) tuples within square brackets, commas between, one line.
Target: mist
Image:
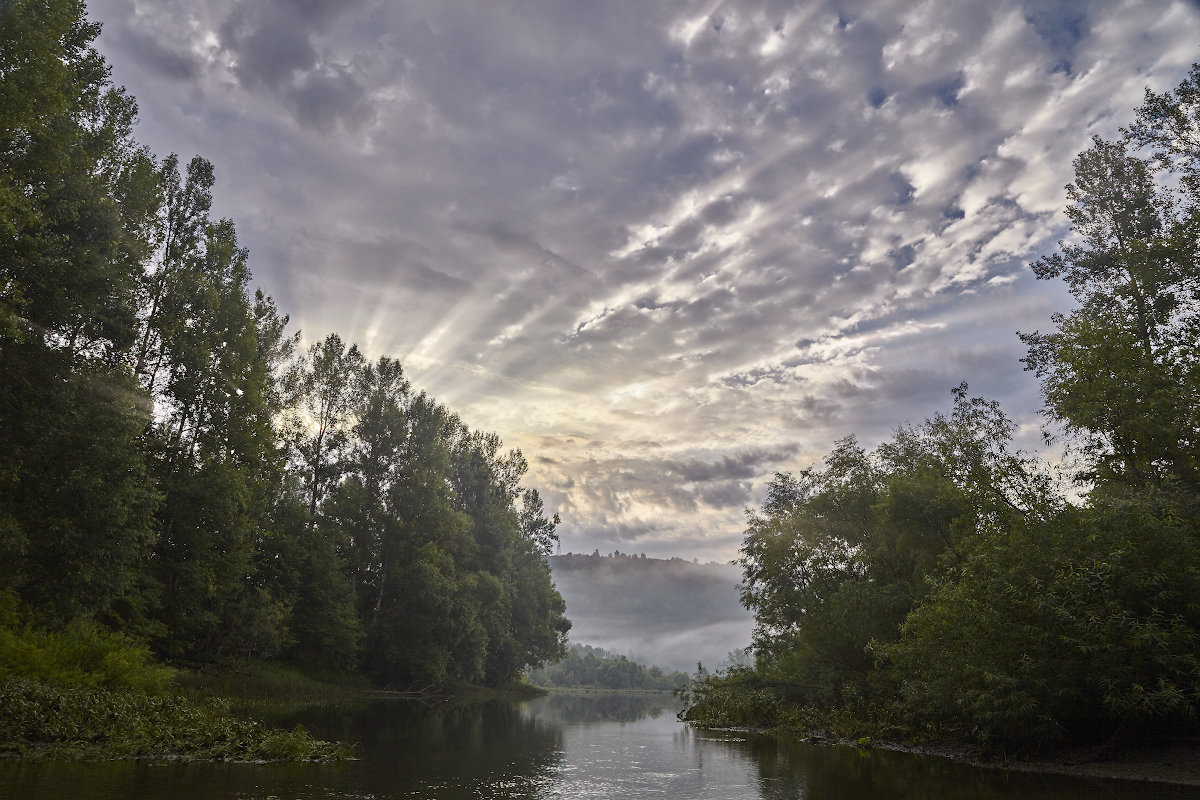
[(668, 612)]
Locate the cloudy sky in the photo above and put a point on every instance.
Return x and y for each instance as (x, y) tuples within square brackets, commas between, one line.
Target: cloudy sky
[(665, 248)]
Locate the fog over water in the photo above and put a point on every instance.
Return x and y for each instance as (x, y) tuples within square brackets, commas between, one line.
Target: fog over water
[(668, 612)]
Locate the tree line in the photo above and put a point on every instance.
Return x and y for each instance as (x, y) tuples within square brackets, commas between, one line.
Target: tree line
[(943, 585), (176, 467), (596, 668)]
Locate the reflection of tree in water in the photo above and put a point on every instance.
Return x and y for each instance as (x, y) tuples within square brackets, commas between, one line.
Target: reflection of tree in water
[(789, 769), (460, 746), (569, 707)]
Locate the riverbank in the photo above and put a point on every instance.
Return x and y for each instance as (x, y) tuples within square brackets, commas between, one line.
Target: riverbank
[(39, 720), (84, 693), (200, 715), (1175, 763), (1153, 755)]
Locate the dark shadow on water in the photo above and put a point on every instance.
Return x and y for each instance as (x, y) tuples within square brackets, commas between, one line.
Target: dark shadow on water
[(793, 769)]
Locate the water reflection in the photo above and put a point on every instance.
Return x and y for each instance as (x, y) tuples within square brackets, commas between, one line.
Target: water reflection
[(561, 746), (493, 750), (790, 770), (584, 707)]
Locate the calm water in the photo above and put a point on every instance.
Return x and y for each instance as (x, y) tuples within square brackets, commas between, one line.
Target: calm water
[(561, 746)]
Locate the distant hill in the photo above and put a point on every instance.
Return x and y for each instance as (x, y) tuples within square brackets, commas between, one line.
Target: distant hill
[(667, 612)]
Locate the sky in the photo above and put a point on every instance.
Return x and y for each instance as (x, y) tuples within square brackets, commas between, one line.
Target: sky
[(666, 249)]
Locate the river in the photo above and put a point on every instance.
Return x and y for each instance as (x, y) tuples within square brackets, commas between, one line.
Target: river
[(560, 746)]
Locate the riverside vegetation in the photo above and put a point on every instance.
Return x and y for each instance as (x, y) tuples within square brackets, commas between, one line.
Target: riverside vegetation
[(182, 483), (588, 667), (942, 587)]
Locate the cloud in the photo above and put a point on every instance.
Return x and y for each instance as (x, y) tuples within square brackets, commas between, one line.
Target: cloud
[(332, 94), (665, 248), (735, 466), (278, 48), (174, 63)]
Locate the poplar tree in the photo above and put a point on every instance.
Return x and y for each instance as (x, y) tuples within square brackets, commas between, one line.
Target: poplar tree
[(75, 500)]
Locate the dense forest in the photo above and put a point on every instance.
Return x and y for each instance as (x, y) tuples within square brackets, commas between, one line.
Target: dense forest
[(943, 586), (176, 469)]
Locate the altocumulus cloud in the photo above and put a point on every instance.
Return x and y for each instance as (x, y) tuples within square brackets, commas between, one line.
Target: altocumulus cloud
[(667, 248)]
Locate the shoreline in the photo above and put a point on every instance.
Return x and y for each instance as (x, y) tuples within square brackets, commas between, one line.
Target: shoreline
[(1176, 764)]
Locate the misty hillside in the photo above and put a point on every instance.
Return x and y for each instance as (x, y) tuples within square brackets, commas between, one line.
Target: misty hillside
[(668, 612)]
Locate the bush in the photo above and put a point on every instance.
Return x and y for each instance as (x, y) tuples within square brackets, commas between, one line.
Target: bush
[(82, 654), (40, 719), (1077, 627), (730, 700)]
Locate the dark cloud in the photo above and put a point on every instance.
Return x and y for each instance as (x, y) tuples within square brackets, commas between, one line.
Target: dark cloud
[(1061, 24), (750, 464), (329, 96), (275, 46), (271, 46), (946, 91), (170, 62)]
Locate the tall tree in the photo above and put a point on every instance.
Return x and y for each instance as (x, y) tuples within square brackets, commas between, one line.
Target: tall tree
[(328, 387), (75, 501), (178, 235), (217, 457), (1122, 371)]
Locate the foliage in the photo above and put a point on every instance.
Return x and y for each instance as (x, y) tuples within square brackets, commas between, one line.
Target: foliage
[(41, 720), (82, 654), (1065, 627), (75, 504), (1121, 371), (446, 553), (593, 667), (898, 592), (838, 557), (733, 698)]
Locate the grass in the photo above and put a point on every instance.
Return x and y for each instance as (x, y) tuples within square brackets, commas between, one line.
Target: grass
[(268, 683), (82, 654)]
